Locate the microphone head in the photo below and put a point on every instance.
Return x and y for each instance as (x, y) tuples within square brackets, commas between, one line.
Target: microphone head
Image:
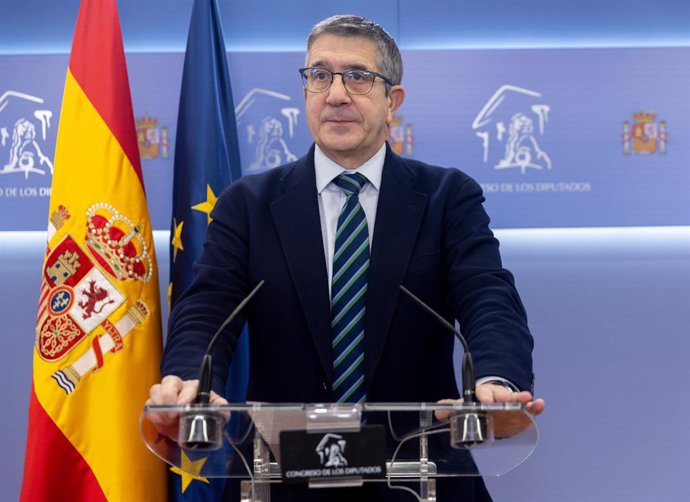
[(201, 429), (469, 381), (470, 428), (205, 375)]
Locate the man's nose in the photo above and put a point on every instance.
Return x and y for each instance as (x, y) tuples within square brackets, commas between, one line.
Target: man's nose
[(337, 92)]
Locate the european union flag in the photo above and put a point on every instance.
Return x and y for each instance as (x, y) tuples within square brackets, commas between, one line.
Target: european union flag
[(206, 161)]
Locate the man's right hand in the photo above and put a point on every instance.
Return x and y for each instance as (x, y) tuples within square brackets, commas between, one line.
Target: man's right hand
[(174, 391)]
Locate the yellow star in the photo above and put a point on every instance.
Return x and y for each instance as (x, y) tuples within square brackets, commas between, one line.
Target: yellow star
[(177, 238), (207, 205), (189, 470)]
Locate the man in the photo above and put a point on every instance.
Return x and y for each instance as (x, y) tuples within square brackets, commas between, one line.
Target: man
[(330, 323)]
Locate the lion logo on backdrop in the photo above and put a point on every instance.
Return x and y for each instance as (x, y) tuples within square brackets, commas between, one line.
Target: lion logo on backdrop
[(24, 126), (511, 126), (266, 126), (81, 290)]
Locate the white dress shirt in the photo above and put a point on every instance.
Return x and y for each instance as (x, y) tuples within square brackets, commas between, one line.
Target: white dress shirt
[(332, 197)]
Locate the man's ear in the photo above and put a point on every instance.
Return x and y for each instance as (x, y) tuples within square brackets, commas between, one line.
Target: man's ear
[(395, 99)]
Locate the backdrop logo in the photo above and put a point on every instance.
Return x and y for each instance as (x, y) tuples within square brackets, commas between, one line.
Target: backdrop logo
[(24, 125), (646, 136), (152, 139), (400, 136), (511, 125), (266, 126)]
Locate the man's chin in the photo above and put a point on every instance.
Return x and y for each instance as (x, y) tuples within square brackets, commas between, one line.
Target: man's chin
[(339, 143)]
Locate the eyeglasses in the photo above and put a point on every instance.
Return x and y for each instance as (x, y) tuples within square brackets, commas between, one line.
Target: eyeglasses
[(355, 81)]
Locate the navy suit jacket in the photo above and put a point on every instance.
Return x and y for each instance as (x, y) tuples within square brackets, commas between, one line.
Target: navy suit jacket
[(431, 235)]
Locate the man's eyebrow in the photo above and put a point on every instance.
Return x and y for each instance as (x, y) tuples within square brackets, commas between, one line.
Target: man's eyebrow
[(323, 64)]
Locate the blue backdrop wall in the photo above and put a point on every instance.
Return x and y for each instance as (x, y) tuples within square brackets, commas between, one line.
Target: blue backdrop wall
[(594, 220)]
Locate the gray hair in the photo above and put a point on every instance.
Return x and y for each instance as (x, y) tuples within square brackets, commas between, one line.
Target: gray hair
[(387, 52)]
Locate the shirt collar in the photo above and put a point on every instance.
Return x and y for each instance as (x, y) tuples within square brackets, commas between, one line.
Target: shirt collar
[(327, 170)]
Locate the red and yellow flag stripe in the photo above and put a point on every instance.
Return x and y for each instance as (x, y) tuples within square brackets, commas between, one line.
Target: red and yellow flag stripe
[(98, 336)]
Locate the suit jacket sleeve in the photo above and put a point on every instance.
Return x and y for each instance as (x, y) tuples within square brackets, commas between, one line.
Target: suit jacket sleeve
[(481, 292), (220, 283)]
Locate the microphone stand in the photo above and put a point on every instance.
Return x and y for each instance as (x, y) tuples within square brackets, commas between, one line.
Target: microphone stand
[(201, 428), (467, 427)]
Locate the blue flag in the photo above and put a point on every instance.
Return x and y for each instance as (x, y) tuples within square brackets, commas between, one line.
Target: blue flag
[(206, 161)]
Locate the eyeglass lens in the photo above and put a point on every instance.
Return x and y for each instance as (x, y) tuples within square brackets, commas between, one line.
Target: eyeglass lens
[(355, 81)]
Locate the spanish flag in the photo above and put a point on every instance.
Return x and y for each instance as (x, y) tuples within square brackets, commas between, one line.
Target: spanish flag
[(98, 330)]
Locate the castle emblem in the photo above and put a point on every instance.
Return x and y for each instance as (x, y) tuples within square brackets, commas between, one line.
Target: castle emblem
[(646, 135), (67, 264)]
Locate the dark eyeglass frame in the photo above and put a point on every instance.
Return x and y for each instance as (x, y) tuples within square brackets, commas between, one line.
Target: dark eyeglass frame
[(303, 74)]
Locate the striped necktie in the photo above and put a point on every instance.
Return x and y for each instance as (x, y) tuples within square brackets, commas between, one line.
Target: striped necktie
[(348, 292)]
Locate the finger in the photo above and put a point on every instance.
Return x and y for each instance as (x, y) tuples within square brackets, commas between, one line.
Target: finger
[(220, 400), (523, 397), (444, 415), (217, 399), (166, 391), (171, 386), (489, 393), (485, 393), (188, 392), (154, 392), (536, 407)]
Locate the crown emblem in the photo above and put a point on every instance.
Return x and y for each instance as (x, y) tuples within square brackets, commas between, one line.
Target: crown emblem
[(117, 244), (59, 216), (147, 122), (644, 117)]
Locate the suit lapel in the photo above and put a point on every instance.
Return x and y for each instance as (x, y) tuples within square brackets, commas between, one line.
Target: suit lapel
[(398, 218), (296, 215)]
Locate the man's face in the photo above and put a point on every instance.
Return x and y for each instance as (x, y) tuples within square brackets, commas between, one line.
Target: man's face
[(349, 128)]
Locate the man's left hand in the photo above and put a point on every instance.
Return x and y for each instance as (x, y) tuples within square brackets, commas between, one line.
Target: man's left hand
[(491, 393)]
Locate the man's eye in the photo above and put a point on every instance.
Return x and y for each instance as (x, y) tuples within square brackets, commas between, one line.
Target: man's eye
[(358, 76), (320, 75)]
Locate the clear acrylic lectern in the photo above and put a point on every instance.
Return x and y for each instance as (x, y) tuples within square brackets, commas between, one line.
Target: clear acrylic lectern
[(406, 445)]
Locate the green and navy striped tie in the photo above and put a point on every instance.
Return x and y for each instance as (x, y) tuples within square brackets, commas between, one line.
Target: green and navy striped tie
[(348, 293)]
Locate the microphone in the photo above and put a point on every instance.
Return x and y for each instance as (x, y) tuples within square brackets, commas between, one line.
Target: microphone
[(468, 428), (202, 428)]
